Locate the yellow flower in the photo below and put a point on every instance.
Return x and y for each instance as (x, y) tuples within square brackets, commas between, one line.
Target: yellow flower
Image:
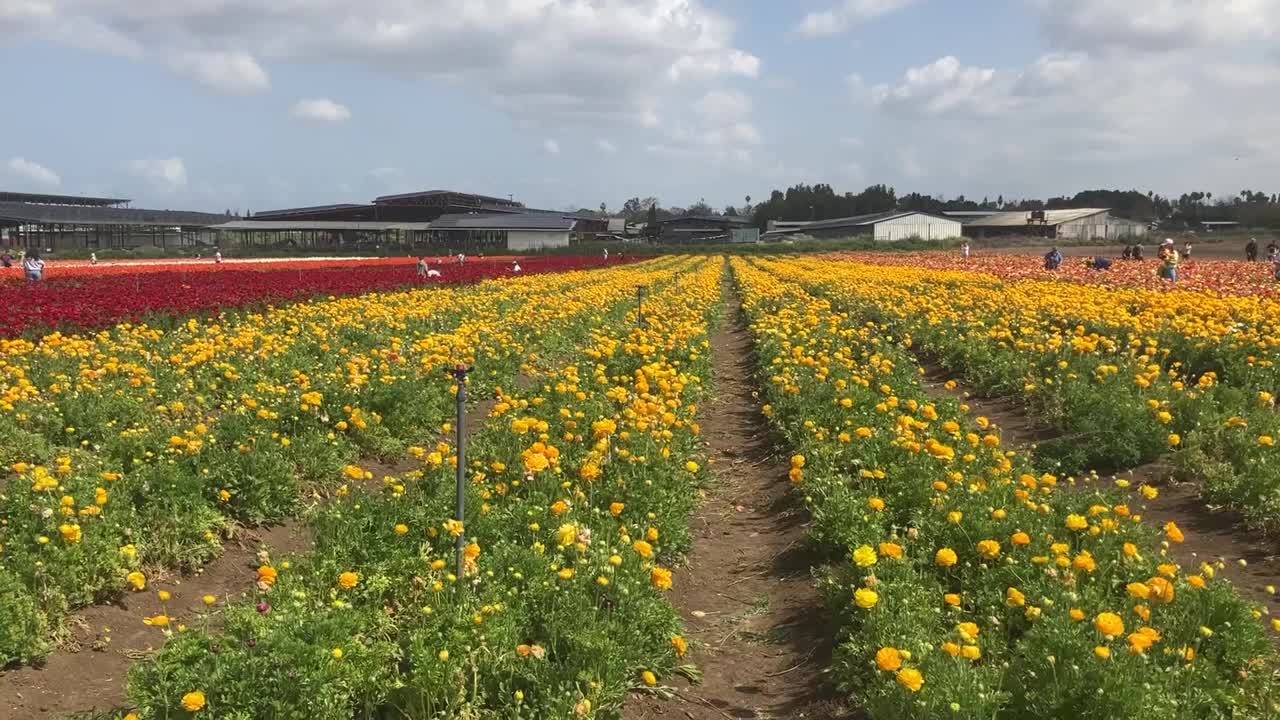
[(891, 550), (875, 504), (1109, 624), (1077, 522), (137, 581), (1020, 538), (163, 595), (1102, 652), (889, 659), (660, 578), (911, 679), (970, 652), (1138, 590), (209, 599), (1014, 598), (267, 575), (951, 599), (681, 647), (348, 580), (443, 656), (156, 620), (1175, 440), (336, 653), (567, 535), (989, 549), (615, 509), (193, 701), (648, 677), (401, 529), (1077, 614), (643, 549), (565, 573), (691, 466), (946, 557), (1172, 532), (865, 598), (71, 533), (864, 556)]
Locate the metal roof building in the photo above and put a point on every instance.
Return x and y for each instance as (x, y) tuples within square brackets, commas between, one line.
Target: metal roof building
[(1086, 224), (38, 221)]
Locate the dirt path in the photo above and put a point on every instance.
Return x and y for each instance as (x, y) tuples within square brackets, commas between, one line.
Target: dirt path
[(749, 604), (1211, 533), (88, 671)]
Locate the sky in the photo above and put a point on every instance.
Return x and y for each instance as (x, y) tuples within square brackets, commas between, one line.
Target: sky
[(251, 105)]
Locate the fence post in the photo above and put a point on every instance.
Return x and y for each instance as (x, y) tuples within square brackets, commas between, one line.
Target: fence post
[(460, 375)]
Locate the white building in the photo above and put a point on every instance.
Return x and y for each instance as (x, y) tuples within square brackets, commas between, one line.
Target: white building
[(892, 226)]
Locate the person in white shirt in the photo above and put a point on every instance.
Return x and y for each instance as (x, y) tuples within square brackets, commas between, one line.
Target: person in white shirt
[(964, 250), (93, 258), (515, 266), (33, 266), (217, 257)]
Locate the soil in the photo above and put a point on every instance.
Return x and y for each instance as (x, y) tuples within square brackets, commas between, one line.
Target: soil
[(1210, 534), (750, 606), (88, 670)]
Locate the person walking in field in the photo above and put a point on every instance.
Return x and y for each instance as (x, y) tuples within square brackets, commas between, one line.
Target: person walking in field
[(515, 266), (217, 257), (1272, 251), (33, 267), (1251, 250), (422, 267), (1168, 261), (606, 254), (93, 258), (6, 260), (1186, 250), (964, 249)]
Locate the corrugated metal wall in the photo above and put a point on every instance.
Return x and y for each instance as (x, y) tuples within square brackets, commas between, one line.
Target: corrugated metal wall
[(917, 226)]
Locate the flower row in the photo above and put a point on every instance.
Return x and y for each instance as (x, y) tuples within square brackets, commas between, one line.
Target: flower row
[(973, 584), (576, 489)]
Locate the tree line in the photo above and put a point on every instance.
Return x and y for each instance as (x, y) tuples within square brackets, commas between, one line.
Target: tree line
[(820, 201)]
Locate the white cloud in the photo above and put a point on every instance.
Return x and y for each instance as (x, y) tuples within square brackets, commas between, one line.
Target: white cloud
[(608, 147), (167, 173), (550, 147), (847, 14), (1157, 25), (234, 73), (598, 62), (33, 171), (943, 85), (851, 142), (321, 110), (723, 105)]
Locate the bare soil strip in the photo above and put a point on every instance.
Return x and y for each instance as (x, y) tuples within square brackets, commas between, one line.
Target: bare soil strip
[(88, 672), (746, 594), (1211, 534)]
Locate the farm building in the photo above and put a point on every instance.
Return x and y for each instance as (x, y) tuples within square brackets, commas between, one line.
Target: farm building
[(890, 226), (512, 232), (707, 229), (1082, 224), (42, 221)]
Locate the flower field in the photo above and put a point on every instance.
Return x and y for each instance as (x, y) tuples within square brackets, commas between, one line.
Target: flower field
[(1225, 277), (963, 575), (77, 297), (976, 583)]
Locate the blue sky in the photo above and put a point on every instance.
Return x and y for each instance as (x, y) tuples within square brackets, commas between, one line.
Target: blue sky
[(239, 104)]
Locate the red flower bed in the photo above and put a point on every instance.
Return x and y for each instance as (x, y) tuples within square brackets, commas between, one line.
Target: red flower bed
[(1228, 277), (81, 300)]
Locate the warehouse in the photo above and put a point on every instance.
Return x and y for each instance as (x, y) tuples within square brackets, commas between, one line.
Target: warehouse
[(891, 226), (1083, 224)]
